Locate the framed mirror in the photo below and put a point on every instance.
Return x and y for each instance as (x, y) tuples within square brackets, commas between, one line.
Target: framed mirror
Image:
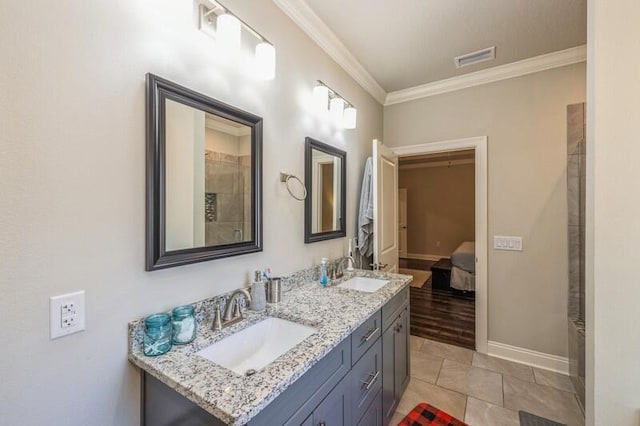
[(204, 177), (325, 180)]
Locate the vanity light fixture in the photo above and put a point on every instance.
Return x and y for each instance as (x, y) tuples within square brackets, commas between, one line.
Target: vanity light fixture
[(320, 98), (350, 114), (341, 111), (228, 32), (336, 109), (219, 22)]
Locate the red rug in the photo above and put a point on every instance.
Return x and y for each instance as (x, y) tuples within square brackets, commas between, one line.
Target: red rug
[(428, 415)]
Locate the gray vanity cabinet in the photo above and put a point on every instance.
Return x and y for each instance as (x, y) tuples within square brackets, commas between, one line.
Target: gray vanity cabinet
[(395, 358), (359, 382)]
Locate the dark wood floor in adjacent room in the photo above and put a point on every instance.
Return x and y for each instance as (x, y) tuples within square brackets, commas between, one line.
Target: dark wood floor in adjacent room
[(440, 315)]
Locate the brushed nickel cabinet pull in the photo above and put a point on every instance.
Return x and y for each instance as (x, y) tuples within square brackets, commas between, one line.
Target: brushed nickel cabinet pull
[(370, 334), (372, 379)]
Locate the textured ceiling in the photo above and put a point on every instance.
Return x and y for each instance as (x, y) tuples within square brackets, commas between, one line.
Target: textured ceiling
[(407, 43)]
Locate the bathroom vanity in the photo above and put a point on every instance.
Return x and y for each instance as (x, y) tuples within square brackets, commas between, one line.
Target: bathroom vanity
[(352, 370)]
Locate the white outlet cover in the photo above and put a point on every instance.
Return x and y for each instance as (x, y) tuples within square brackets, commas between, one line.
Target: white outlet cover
[(56, 314)]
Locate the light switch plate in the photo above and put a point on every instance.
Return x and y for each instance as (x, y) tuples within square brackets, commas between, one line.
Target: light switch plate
[(507, 243), (66, 314)]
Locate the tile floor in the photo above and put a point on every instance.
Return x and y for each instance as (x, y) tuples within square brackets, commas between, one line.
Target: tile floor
[(482, 390)]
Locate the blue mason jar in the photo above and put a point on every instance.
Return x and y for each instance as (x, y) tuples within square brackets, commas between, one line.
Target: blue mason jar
[(157, 334), (184, 325)]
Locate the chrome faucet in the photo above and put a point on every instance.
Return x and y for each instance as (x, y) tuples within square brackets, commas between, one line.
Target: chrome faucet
[(339, 268), (232, 310)]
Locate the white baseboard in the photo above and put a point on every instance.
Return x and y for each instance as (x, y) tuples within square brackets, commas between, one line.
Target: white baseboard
[(435, 257), (529, 357)]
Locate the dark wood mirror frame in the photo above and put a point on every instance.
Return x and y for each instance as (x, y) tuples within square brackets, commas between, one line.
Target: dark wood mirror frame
[(157, 257), (309, 236)]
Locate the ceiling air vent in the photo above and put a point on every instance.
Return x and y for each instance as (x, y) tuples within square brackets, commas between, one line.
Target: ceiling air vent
[(473, 58)]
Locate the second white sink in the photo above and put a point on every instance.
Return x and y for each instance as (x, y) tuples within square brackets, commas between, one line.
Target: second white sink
[(254, 347), (368, 285)]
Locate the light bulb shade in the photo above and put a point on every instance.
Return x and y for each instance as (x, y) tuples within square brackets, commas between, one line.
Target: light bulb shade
[(320, 98), (350, 118), (265, 61), (336, 109), (228, 32)]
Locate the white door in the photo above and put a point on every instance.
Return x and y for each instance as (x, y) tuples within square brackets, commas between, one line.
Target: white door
[(402, 222), (385, 211)]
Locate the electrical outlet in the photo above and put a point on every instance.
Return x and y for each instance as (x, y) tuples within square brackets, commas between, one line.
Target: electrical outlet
[(68, 308), (66, 314), (507, 243), (69, 321)]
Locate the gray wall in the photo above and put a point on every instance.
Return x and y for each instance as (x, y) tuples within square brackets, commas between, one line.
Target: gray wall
[(72, 166), (440, 208), (525, 121)]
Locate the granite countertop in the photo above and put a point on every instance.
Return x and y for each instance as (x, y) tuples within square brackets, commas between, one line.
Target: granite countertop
[(335, 313)]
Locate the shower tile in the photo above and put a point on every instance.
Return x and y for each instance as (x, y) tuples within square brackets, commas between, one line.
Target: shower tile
[(230, 208), (573, 199), (228, 159), (573, 165), (575, 126), (221, 180)]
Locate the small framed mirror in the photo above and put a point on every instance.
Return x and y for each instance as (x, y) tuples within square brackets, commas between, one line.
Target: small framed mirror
[(204, 177), (325, 180)]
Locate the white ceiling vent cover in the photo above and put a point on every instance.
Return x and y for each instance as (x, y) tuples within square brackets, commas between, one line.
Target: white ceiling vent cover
[(487, 54)]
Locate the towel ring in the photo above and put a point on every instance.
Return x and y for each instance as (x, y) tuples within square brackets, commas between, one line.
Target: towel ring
[(285, 177)]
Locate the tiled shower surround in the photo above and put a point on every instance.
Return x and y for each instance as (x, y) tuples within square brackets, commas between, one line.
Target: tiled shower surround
[(576, 168), (227, 198)]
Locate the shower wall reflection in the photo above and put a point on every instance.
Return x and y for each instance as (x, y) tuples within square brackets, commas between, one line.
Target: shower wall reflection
[(227, 187), (208, 179)]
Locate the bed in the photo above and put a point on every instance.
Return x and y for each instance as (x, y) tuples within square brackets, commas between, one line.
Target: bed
[(463, 271)]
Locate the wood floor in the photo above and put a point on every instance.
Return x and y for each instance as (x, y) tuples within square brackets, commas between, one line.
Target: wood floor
[(439, 314)]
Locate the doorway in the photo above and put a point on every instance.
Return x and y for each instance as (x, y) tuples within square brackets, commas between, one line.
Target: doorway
[(437, 243), (473, 308)]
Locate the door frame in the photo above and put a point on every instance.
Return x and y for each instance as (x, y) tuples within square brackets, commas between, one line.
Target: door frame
[(479, 145)]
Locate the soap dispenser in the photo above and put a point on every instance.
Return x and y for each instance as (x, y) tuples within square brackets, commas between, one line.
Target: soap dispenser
[(258, 294), (324, 279)]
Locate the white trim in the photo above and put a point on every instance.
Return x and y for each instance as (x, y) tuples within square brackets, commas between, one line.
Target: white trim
[(536, 359), (479, 144), (502, 72), (300, 12), (420, 256)]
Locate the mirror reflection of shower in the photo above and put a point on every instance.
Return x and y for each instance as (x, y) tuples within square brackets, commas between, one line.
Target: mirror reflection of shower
[(227, 183)]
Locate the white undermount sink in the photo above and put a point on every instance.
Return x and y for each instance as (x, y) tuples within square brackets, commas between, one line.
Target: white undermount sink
[(368, 285), (254, 347)]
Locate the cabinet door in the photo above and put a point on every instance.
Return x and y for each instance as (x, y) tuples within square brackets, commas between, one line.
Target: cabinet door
[(401, 361), (373, 415), (335, 409), (388, 376)]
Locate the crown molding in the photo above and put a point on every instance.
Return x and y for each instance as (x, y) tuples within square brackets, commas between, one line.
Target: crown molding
[(515, 69), (300, 12)]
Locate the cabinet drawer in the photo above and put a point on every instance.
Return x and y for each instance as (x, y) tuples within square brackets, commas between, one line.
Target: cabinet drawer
[(365, 336), (391, 309), (366, 380)]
